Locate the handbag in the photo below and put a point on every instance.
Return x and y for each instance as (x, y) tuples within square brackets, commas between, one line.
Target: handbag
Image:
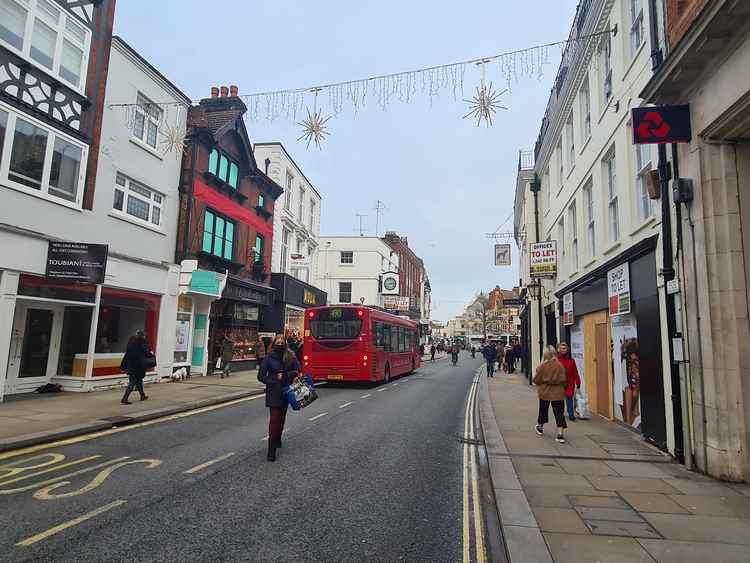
[(582, 405), (149, 362), (301, 393)]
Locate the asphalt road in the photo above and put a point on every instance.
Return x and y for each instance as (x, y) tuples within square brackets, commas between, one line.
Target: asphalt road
[(376, 475)]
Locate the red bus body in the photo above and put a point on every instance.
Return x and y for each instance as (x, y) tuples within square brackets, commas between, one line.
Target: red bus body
[(357, 343)]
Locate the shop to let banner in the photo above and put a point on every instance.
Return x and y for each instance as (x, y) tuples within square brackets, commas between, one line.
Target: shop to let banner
[(618, 290)]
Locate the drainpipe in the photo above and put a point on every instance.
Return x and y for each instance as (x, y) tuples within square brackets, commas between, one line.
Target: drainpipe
[(189, 194), (657, 57), (535, 187)]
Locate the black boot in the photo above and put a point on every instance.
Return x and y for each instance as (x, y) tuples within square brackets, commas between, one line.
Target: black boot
[(271, 451), (125, 398), (278, 443)]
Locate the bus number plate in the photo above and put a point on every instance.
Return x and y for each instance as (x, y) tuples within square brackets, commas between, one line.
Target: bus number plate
[(336, 376)]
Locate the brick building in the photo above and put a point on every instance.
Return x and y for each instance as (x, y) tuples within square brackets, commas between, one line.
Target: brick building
[(225, 226), (411, 273)]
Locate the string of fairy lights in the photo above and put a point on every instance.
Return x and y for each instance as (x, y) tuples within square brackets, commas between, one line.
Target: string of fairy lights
[(332, 99)]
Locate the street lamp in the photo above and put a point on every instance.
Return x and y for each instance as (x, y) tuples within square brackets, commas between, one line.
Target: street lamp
[(535, 288)]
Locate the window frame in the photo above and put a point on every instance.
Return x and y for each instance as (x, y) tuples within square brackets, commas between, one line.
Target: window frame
[(144, 111), (220, 159), (301, 205), (285, 233), (227, 221), (128, 192), (613, 202), (313, 206), (342, 292), (259, 255), (288, 191), (636, 34), (573, 228), (60, 27), (584, 103), (347, 262), (561, 245), (6, 152), (644, 203), (605, 62), (588, 195), (570, 141)]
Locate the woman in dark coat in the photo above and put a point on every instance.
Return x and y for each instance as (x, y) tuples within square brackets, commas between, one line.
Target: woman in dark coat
[(134, 363), (279, 369)]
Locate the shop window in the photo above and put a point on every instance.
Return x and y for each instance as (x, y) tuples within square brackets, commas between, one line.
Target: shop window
[(183, 328), (74, 343), (56, 42), (218, 236), (121, 314), (146, 121), (137, 201)]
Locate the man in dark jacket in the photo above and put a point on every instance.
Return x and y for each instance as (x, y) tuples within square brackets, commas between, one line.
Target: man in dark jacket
[(279, 370), (136, 360), (490, 354)]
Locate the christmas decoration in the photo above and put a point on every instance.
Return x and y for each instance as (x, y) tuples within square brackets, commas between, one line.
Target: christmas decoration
[(172, 139), (314, 128), (486, 102)]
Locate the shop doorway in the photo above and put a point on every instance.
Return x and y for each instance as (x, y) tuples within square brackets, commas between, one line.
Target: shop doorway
[(34, 347)]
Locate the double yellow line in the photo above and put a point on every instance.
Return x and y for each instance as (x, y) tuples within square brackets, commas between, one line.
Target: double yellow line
[(472, 511)]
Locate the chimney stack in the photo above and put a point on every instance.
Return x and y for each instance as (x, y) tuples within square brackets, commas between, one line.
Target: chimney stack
[(233, 90), (214, 91), (224, 91)]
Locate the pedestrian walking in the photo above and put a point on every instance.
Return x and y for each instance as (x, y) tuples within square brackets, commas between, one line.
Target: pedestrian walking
[(279, 369), (573, 379), (138, 358), (432, 353), (500, 355), (490, 354), (551, 380), (227, 353)]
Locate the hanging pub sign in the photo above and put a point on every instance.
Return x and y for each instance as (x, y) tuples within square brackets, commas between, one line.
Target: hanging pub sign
[(661, 125), (77, 261), (568, 309), (543, 259), (502, 254), (618, 290)]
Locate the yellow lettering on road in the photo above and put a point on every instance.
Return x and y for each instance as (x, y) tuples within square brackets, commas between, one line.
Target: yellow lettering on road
[(69, 524), (15, 468), (46, 492), (51, 469), (62, 477)]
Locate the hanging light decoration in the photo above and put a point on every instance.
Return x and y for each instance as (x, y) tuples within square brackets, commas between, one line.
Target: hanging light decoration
[(486, 102), (314, 128)]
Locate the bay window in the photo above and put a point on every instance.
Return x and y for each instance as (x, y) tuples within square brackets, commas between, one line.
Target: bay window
[(37, 159), (43, 33), (137, 201), (224, 168)]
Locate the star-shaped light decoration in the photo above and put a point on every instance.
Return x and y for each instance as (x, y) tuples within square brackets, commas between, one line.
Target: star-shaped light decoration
[(172, 139), (485, 104), (314, 128)]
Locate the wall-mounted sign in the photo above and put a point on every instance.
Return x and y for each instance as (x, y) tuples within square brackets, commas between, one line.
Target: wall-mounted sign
[(673, 286), (395, 303), (502, 255), (309, 297), (205, 282), (390, 283), (77, 261), (568, 308), (618, 290), (661, 124), (543, 259)]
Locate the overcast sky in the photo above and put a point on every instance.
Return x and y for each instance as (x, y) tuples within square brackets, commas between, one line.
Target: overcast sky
[(445, 182)]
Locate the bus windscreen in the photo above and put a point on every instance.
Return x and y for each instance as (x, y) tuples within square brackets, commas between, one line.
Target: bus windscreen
[(336, 324)]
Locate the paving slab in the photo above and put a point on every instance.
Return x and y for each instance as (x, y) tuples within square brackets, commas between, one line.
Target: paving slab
[(537, 465), (552, 480), (514, 508), (569, 548), (667, 551), (503, 473), (625, 529), (526, 545), (639, 469), (653, 502), (632, 484), (738, 507), (701, 528), (563, 520), (586, 467), (597, 502), (614, 514), (706, 488)]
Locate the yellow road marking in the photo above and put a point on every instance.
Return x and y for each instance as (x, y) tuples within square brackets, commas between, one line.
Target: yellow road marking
[(14, 469), (346, 404), (50, 469), (478, 532), (208, 463), (317, 416), (63, 477), (69, 524), (466, 540), (102, 433)]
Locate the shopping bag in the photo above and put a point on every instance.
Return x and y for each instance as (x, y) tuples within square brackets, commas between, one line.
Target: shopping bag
[(582, 405), (218, 362), (301, 393)]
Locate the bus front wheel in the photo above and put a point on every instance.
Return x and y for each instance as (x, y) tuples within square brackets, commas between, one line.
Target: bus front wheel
[(387, 374)]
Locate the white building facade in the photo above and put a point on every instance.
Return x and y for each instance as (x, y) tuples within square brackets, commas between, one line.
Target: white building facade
[(350, 269), (296, 221), (592, 199), (74, 334)]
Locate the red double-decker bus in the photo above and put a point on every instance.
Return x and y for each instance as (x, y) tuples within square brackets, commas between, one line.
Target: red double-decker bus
[(357, 343)]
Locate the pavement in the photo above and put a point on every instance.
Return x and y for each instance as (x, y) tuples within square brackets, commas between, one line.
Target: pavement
[(26, 420), (606, 495), (366, 473)]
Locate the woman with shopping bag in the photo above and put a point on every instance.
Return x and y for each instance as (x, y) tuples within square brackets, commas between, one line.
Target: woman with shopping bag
[(551, 380), (279, 369)]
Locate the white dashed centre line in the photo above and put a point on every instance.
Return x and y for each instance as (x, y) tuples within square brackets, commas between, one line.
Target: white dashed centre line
[(365, 396), (381, 390), (317, 416), (346, 404), (208, 463)]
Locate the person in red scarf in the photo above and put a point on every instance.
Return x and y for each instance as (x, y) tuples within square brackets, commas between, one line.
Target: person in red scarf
[(574, 380)]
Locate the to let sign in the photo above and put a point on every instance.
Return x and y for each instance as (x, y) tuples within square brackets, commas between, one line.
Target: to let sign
[(568, 309), (77, 261), (661, 124), (543, 259), (618, 290)]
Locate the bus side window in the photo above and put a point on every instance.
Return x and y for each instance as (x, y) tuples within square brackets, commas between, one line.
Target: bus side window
[(378, 334), (386, 337)]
